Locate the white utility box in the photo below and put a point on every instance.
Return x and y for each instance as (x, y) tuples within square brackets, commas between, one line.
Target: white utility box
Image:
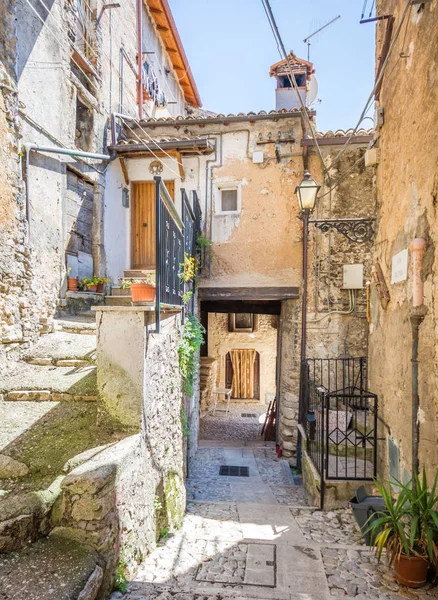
[(258, 157), (353, 277)]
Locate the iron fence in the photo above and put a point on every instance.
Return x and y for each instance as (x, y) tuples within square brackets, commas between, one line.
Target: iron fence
[(190, 230), (339, 417), (169, 251)]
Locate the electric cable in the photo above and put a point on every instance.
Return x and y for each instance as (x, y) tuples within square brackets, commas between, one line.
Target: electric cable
[(304, 112)]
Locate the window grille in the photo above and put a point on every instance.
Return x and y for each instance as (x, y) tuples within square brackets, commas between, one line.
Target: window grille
[(229, 200)]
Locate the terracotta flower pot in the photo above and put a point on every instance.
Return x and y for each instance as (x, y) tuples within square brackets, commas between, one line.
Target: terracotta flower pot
[(72, 284), (100, 288), (142, 292), (92, 288), (411, 571)]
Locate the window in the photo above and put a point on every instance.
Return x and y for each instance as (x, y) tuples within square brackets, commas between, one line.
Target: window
[(85, 29), (84, 126), (229, 200), (242, 322), (284, 80)]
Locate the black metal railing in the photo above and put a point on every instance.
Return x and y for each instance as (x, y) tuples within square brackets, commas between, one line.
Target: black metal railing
[(339, 417), (169, 251), (190, 225)]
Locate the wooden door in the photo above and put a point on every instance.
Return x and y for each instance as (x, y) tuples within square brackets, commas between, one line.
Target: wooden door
[(143, 222), (229, 374)]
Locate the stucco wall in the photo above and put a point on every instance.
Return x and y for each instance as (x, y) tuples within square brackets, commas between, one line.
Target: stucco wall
[(407, 189), (37, 46), (264, 341)]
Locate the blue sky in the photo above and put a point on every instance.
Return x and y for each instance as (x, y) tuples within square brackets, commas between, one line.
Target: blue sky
[(230, 48)]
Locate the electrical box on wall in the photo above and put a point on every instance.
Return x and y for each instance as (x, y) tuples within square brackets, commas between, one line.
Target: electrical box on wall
[(258, 157), (353, 277)]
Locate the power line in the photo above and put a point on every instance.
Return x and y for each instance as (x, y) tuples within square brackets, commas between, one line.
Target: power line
[(151, 151), (292, 79)]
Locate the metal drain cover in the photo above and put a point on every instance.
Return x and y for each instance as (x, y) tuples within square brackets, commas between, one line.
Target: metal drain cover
[(233, 471), (248, 415)]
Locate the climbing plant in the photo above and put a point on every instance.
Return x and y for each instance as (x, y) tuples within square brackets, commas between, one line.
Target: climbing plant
[(191, 340)]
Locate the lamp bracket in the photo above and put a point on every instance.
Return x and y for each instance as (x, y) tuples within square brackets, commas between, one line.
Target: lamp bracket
[(356, 230)]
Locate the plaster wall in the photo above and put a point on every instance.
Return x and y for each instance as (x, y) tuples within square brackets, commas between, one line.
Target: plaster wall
[(407, 188), (38, 47), (264, 341)]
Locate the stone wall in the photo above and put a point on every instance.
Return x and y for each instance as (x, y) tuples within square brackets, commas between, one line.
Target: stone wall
[(407, 191), (264, 341), (128, 494), (19, 318)]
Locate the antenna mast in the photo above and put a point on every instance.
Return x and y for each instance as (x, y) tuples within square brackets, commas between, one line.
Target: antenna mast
[(307, 40)]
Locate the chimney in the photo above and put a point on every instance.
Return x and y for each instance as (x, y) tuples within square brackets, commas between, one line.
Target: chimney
[(285, 94)]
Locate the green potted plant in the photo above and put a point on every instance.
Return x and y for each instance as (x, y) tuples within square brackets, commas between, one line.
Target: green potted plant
[(72, 282), (89, 284), (142, 290), (407, 530)]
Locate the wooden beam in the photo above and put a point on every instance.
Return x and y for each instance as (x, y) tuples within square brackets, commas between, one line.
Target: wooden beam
[(162, 27), (247, 293), (155, 11), (125, 170), (240, 306), (180, 166), (173, 50)]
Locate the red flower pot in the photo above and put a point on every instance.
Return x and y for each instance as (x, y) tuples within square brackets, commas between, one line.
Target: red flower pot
[(142, 292), (92, 288), (100, 288), (411, 571), (72, 284)]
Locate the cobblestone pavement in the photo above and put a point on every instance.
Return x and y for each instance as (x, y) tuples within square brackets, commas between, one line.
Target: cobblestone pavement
[(253, 537), (243, 423)]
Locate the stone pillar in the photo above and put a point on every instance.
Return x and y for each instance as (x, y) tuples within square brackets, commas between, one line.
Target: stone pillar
[(289, 377)]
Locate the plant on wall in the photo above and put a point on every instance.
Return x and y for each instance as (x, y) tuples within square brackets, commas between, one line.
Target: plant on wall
[(188, 352), (188, 268), (203, 244)]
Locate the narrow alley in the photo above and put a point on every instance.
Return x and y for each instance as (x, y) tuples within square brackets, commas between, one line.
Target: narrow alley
[(251, 535)]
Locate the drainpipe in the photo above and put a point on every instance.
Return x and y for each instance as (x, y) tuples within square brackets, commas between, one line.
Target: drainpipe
[(417, 248), (140, 57)]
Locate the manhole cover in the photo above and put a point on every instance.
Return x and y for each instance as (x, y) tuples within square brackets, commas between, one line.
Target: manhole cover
[(233, 471), (247, 415)]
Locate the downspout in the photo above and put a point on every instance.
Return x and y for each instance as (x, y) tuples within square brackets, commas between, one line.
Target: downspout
[(140, 57), (417, 248)]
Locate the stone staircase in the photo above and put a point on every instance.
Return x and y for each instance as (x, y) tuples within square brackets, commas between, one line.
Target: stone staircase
[(49, 416), (122, 297)]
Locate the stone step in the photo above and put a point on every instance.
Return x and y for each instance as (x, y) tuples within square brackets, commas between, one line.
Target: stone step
[(116, 291), (63, 350), (24, 381), (118, 301), (52, 568), (137, 273), (77, 324)]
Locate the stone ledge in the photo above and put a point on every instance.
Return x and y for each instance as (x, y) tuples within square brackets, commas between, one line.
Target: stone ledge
[(137, 308)]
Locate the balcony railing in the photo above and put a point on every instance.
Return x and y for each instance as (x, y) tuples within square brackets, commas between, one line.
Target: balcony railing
[(174, 236)]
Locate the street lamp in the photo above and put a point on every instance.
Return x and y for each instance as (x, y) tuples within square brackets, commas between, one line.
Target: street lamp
[(306, 191)]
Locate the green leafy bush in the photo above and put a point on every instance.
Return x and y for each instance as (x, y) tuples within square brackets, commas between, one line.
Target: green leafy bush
[(188, 352)]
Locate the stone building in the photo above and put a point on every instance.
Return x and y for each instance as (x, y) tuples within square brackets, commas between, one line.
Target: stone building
[(406, 159), (68, 66), (245, 168)]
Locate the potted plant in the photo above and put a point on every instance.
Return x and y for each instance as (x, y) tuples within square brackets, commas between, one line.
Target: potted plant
[(89, 284), (142, 290), (407, 529), (72, 282), (101, 282)]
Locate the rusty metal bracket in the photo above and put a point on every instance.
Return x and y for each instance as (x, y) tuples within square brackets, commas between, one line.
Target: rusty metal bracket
[(356, 230)]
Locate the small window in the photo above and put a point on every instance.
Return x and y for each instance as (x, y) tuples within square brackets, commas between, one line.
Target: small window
[(242, 322), (84, 126), (229, 200)]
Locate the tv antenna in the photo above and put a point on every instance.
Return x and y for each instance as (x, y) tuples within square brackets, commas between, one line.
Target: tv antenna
[(307, 40)]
